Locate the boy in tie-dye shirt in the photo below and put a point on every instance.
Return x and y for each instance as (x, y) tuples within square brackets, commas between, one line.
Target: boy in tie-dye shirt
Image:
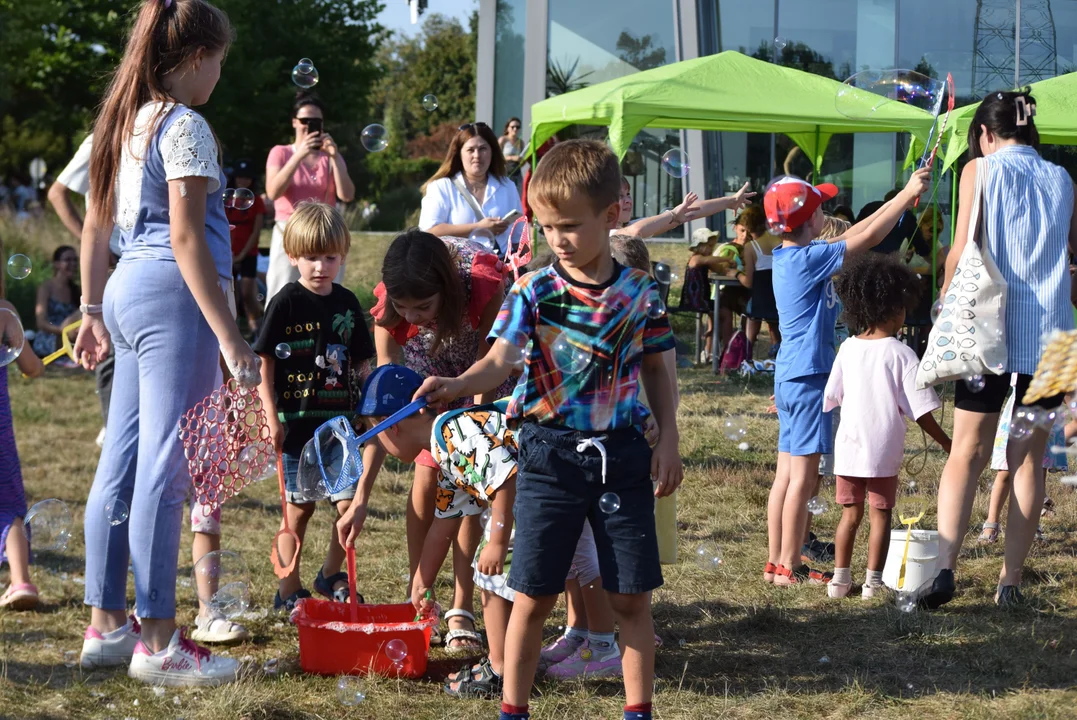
[(596, 330)]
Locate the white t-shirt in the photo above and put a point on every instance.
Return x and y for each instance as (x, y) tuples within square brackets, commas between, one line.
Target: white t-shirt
[(874, 383), (443, 203), (76, 178)]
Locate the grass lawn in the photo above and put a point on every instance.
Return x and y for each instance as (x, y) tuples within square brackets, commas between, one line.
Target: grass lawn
[(733, 646)]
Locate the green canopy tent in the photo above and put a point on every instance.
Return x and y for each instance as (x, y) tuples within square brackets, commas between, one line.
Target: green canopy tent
[(731, 92), (1056, 117)]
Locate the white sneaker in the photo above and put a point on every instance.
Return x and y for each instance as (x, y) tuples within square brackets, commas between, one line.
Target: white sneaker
[(112, 648), (101, 438), (870, 591), (181, 664), (218, 629), (836, 591)]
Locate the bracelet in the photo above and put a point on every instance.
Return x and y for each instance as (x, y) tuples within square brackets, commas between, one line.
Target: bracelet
[(88, 309), (673, 216)]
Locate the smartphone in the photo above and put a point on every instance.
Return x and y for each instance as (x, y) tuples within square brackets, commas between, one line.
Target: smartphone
[(314, 125), (510, 216)]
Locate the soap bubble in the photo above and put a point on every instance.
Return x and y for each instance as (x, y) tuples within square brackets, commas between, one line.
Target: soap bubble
[(656, 308), (570, 357), (1022, 423), (787, 195), (350, 690), (675, 163), (905, 601), (375, 138), (867, 91), (708, 556), (780, 43), (516, 350), (734, 428), (19, 266), (12, 337), (818, 505), (283, 351), (430, 103), (242, 199), (495, 516), (975, 383), (936, 310), (396, 650), (609, 503), (222, 583), (663, 273), (71, 658), (228, 197), (304, 74), (49, 525), (484, 238), (116, 511)]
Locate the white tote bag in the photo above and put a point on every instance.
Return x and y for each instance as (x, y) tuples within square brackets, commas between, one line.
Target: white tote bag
[(969, 336)]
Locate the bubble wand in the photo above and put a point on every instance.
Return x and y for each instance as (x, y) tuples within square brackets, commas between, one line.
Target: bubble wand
[(908, 521), (66, 346), (279, 568)]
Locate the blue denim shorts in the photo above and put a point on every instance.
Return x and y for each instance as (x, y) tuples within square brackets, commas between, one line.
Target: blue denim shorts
[(803, 427), (291, 489), (558, 488)]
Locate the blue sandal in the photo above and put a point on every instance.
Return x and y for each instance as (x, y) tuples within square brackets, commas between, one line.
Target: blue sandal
[(324, 587)]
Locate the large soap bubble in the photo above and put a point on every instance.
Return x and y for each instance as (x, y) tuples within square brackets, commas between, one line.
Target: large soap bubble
[(866, 92)]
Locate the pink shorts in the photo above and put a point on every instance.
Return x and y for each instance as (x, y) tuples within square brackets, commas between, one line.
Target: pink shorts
[(881, 493), (425, 459), (201, 522)]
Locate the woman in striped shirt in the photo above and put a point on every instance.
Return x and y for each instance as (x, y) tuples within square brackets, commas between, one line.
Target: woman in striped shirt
[(1028, 227)]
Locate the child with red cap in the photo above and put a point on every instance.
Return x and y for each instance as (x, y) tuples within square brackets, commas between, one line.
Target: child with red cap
[(807, 312)]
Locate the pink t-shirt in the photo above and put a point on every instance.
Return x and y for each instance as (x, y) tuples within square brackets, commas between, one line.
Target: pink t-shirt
[(874, 383), (310, 182)]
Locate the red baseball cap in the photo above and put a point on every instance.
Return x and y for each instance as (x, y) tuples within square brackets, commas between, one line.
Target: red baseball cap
[(790, 202)]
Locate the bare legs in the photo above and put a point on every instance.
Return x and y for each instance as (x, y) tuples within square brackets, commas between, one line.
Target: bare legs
[(973, 437)]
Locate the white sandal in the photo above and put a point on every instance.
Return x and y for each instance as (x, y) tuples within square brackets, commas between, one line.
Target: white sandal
[(461, 634), (989, 534), (218, 630)]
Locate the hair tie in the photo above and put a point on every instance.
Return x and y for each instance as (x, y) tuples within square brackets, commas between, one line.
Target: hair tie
[(1025, 110), (168, 4)]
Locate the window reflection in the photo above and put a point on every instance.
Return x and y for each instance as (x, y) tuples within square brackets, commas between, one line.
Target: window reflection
[(509, 66)]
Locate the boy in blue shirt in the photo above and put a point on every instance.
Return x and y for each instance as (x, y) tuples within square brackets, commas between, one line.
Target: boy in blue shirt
[(807, 311), (594, 336)]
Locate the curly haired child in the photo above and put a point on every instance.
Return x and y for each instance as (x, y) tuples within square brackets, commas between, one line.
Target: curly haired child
[(874, 382)]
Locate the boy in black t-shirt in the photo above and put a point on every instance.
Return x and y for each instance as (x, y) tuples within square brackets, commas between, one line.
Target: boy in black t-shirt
[(315, 351)]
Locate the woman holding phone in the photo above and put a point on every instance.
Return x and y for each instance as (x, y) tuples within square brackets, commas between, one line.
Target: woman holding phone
[(311, 168), (470, 191)]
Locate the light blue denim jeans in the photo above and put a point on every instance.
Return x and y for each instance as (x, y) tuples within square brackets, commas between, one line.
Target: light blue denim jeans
[(166, 361)]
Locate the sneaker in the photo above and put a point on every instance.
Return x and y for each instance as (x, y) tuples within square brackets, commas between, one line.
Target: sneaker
[(558, 651), (111, 648), (101, 438), (871, 591), (838, 590), (1009, 596), (217, 629), (940, 591), (181, 664), (597, 662)]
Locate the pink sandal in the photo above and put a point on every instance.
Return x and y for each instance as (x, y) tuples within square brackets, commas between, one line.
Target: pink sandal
[(768, 572), (20, 597)]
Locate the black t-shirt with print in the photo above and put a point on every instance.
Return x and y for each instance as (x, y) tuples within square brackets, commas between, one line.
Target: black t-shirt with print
[(328, 342)]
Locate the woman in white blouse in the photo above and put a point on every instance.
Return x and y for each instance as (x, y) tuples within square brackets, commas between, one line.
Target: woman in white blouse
[(470, 190)]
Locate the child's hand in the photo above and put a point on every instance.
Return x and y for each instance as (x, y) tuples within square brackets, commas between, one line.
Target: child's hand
[(666, 466), (93, 342), (918, 184), (947, 446), (492, 558), (439, 391), (685, 212), (651, 432), (772, 409), (351, 524), (422, 597), (742, 197)]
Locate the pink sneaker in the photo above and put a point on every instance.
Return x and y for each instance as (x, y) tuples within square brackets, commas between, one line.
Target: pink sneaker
[(181, 664), (559, 650), (838, 590), (112, 648), (587, 662)]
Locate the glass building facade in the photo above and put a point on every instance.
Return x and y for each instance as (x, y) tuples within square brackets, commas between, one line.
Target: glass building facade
[(985, 44)]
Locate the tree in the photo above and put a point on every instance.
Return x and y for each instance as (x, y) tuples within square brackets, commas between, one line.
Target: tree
[(641, 53)]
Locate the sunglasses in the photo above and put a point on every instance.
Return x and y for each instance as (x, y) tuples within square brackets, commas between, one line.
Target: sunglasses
[(514, 127), (308, 121), (471, 126)]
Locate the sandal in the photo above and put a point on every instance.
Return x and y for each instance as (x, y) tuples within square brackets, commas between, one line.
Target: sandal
[(479, 681), (989, 534), (324, 586), (20, 597), (768, 572), (288, 604), (1048, 509), (784, 577), (470, 639), (218, 629)]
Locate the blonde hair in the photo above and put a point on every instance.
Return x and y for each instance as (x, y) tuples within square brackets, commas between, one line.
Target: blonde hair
[(316, 229), (833, 227), (574, 168), (631, 251)]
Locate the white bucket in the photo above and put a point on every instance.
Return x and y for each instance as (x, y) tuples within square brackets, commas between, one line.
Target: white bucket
[(920, 566)]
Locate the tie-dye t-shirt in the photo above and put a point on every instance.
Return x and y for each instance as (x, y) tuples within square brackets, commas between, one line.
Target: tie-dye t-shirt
[(587, 344)]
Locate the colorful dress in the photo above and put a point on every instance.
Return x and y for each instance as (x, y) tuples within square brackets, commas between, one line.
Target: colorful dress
[(1051, 461), (57, 312), (12, 496), (480, 275)]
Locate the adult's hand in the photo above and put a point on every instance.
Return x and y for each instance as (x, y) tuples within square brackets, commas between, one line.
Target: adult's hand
[(245, 366), (93, 342), (312, 143), (329, 146), (494, 224)]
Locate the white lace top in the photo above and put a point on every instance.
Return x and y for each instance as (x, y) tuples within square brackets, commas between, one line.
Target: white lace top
[(169, 142)]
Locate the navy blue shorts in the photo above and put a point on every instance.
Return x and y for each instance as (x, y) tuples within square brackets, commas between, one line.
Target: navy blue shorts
[(558, 488), (803, 427)]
